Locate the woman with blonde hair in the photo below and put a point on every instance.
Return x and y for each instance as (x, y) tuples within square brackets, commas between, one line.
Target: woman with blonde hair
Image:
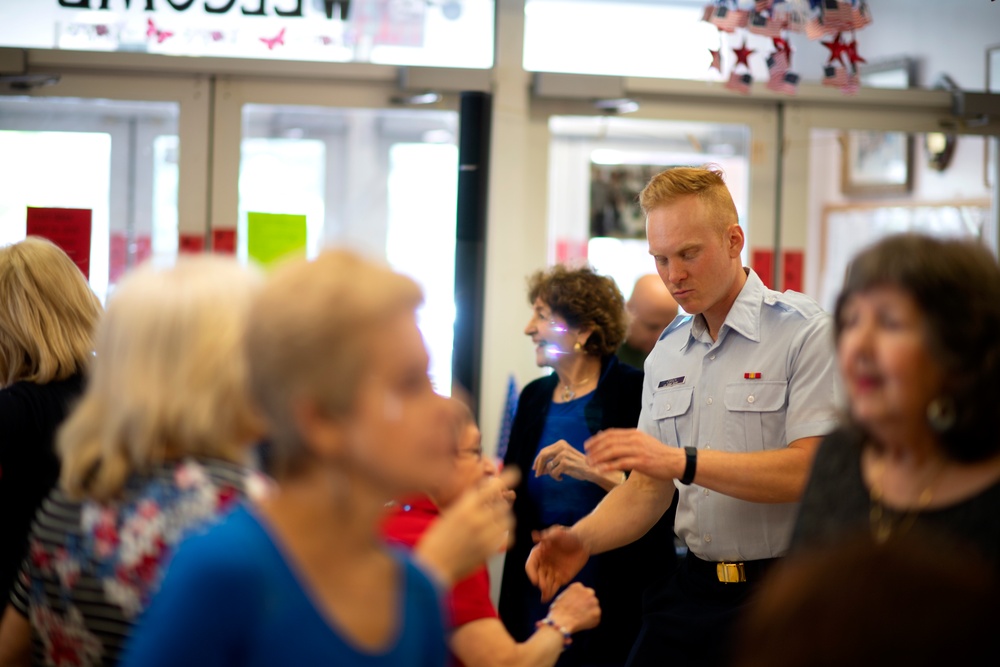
[(155, 448), (339, 369), (47, 319)]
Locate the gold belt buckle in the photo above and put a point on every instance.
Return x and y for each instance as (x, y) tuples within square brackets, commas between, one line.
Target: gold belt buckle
[(730, 573)]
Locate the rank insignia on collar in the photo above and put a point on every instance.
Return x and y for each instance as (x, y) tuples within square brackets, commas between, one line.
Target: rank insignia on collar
[(671, 382), (751, 376)]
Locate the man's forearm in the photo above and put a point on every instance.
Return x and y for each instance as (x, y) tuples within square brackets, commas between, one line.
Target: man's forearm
[(626, 513), (777, 476)]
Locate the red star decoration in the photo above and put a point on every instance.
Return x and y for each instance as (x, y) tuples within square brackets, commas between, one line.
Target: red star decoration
[(742, 54), (716, 60), (852, 54), (837, 49)]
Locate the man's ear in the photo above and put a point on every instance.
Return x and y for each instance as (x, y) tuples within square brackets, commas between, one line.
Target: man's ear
[(735, 239), (322, 435)]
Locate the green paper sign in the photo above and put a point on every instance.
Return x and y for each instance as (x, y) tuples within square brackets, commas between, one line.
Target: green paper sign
[(274, 236)]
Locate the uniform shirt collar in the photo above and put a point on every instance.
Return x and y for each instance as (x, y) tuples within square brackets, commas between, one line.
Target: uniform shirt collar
[(743, 316)]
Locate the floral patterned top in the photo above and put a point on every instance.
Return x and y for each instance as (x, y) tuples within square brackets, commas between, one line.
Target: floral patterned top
[(92, 568)]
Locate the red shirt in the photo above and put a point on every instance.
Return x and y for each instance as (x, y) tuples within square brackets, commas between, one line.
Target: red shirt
[(469, 599)]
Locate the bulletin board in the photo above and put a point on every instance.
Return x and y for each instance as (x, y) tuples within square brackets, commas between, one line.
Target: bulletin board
[(848, 228)]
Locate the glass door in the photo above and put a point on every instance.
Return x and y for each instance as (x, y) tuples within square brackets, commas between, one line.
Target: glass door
[(108, 149), (345, 167), (598, 164)]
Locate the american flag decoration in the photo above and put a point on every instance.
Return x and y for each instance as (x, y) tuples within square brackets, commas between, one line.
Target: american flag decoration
[(773, 19), (787, 83), (835, 77), (739, 83), (777, 64), (860, 15), (726, 19), (762, 24), (837, 16)]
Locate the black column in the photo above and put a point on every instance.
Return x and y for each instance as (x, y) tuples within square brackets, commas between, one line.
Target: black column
[(470, 237)]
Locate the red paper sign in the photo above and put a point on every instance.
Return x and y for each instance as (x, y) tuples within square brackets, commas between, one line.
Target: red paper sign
[(68, 228), (762, 262), (191, 243), (793, 261), (120, 249), (224, 241)]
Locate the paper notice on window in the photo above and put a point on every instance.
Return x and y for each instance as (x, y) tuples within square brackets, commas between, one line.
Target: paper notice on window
[(68, 228), (275, 236)]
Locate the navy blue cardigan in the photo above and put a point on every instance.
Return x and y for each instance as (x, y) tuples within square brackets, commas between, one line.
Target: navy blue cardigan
[(623, 574)]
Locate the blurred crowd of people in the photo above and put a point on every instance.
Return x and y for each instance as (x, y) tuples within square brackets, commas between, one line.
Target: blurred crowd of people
[(226, 467)]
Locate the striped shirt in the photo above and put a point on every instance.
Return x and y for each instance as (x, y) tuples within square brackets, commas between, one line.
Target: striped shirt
[(92, 568)]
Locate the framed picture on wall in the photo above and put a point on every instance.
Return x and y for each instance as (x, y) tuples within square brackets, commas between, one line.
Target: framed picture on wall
[(614, 199), (876, 162)]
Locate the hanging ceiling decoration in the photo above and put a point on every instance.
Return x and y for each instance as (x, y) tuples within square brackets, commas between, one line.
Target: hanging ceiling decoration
[(774, 19)]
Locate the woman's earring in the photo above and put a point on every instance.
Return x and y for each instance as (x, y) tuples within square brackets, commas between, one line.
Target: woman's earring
[(577, 347), (941, 413)]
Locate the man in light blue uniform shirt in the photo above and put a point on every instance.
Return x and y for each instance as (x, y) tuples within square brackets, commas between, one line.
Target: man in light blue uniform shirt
[(737, 396)]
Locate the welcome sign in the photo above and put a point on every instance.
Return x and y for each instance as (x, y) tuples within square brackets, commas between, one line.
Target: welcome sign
[(391, 31)]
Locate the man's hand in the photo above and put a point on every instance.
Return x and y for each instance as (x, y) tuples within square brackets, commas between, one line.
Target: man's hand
[(631, 449), (557, 557), (471, 530), (562, 458)]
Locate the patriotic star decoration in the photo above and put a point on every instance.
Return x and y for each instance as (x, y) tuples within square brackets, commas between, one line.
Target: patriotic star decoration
[(716, 60), (837, 49), (742, 54), (851, 50)]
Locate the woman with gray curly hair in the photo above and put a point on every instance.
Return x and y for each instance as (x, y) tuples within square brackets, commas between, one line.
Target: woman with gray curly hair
[(578, 321)]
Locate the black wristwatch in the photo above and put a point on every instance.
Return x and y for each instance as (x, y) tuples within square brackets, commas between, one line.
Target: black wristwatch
[(690, 465)]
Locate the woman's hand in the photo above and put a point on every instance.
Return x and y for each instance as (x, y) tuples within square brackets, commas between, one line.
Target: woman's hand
[(576, 608), (561, 458), (470, 531)]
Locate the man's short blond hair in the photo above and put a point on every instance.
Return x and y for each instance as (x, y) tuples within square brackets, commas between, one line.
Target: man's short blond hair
[(169, 379), (309, 337), (706, 183), (48, 314)]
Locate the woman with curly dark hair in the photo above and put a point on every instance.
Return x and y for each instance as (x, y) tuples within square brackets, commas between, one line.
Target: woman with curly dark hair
[(578, 321)]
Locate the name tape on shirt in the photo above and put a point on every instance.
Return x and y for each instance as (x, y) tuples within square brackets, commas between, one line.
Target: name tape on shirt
[(671, 382)]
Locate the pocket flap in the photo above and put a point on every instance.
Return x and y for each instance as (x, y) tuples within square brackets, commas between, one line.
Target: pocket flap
[(755, 396), (671, 403)]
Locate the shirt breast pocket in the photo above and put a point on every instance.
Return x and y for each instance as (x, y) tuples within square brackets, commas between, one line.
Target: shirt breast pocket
[(755, 418), (669, 406)]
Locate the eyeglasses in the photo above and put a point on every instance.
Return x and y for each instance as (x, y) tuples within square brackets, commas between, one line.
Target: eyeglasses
[(476, 453)]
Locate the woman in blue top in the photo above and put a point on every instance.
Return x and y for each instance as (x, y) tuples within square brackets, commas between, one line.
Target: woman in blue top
[(578, 322), (339, 369)]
